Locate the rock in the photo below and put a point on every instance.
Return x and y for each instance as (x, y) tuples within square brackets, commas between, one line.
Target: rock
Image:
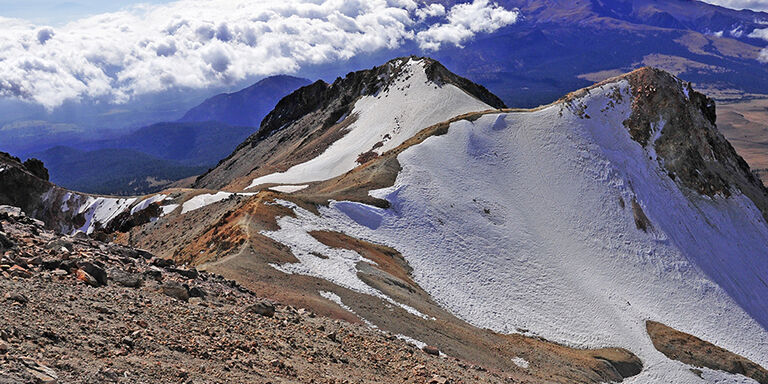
[(431, 350), (100, 236), (197, 292), (4, 347), (37, 168), (86, 278), (154, 274), (332, 337), (127, 341), (163, 263), (6, 242), (438, 380), (11, 212), (126, 279), (51, 264), (196, 301), (60, 245), (37, 260), (175, 290), (81, 235), (94, 270), (188, 273), (68, 265), (42, 374), (18, 271), (144, 254), (263, 308)]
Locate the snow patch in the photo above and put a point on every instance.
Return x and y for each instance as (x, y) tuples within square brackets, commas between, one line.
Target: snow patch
[(336, 299), (336, 265), (520, 362), (147, 202), (99, 211), (168, 209), (288, 188), (419, 344), (206, 199)]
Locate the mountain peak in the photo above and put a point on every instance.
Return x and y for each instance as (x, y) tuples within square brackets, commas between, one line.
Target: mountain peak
[(383, 106), (248, 106), (365, 83)]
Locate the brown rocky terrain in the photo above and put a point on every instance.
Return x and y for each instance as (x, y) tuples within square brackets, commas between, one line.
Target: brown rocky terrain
[(75, 310), (745, 124)]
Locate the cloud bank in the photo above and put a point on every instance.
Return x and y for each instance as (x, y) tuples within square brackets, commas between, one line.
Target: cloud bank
[(200, 43)]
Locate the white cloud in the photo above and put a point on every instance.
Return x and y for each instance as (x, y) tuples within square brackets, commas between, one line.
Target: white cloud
[(464, 21), (199, 43), (759, 34), (755, 5), (763, 57)]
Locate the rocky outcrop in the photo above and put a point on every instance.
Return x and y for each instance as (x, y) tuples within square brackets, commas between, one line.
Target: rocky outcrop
[(693, 351), (689, 146)]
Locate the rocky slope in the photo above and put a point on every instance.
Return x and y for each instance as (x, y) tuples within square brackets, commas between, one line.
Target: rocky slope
[(74, 310)]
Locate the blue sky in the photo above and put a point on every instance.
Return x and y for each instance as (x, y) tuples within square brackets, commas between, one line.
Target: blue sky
[(57, 12)]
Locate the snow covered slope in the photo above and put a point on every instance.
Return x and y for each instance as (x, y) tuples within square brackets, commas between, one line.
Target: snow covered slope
[(573, 222)]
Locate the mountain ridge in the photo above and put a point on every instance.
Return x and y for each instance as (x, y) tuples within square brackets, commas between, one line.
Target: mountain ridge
[(456, 231)]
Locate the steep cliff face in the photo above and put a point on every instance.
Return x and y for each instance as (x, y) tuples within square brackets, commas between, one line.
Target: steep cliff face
[(21, 186)]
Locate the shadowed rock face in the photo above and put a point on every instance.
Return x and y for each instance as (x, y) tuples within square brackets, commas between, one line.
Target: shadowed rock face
[(19, 186), (691, 350), (691, 149)]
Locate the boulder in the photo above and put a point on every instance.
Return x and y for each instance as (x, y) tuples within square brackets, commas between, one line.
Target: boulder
[(263, 308), (126, 279), (94, 270), (175, 290), (431, 350)]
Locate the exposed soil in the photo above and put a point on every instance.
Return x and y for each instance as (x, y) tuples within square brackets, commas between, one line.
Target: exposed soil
[(693, 351)]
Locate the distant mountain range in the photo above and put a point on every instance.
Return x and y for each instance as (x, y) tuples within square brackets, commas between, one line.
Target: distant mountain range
[(248, 106), (152, 157), (112, 171), (562, 45)]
